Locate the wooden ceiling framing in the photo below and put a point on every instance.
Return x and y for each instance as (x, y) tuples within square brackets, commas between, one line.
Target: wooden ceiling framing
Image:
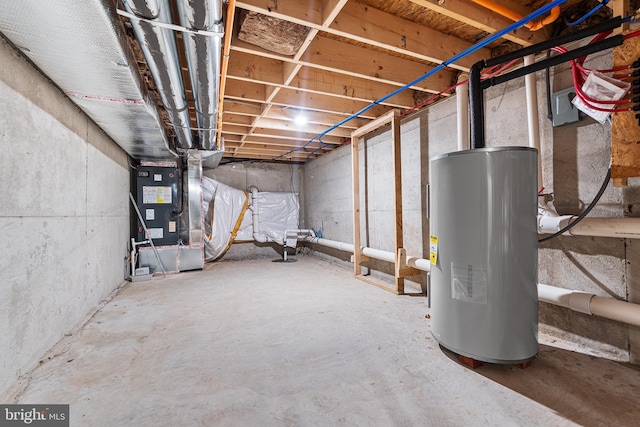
[(352, 52)]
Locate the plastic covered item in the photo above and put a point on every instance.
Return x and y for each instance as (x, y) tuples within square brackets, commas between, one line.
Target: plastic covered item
[(277, 213), (228, 216), (603, 88), (223, 208)]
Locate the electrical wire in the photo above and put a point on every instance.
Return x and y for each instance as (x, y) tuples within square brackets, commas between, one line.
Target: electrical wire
[(580, 217), (586, 15), (579, 73), (543, 10)]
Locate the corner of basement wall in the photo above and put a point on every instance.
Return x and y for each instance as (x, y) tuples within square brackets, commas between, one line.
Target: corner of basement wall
[(64, 216)]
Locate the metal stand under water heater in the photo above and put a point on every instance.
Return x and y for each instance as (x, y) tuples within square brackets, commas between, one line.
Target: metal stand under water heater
[(484, 253)]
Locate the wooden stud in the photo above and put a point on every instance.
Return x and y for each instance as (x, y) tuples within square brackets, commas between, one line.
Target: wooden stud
[(401, 265), (363, 258), (397, 197), (355, 176), (377, 283)]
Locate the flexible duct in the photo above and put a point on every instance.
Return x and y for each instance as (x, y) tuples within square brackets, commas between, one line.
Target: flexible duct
[(203, 60), (159, 48), (82, 47)]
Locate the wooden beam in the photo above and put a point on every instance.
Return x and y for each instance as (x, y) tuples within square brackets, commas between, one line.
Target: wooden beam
[(236, 119), (357, 61), (298, 136), (477, 16), (245, 108), (327, 119), (288, 125), (324, 103), (307, 13), (239, 90), (245, 66), (374, 124), (369, 25), (345, 86), (331, 9)]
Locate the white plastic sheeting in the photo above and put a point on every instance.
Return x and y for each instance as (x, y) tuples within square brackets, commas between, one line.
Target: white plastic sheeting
[(277, 212)]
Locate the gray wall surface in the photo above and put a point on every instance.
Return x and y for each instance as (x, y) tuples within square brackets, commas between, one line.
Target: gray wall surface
[(575, 159), (64, 215), (265, 177)]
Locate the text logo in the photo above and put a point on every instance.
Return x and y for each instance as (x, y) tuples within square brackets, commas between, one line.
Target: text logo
[(34, 415)]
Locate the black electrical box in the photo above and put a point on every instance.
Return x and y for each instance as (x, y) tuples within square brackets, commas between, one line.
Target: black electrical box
[(157, 200)]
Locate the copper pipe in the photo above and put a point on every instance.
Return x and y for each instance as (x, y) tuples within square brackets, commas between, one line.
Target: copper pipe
[(231, 8), (514, 16)]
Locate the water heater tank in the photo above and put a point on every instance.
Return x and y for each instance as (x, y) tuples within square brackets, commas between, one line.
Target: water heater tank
[(484, 244)]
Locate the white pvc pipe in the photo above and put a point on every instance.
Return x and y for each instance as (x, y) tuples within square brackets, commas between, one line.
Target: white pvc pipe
[(624, 228), (532, 114), (462, 105), (341, 246), (583, 302), (419, 263), (378, 254), (260, 238)]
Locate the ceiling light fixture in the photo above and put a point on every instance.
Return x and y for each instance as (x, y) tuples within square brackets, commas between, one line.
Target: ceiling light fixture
[(300, 119)]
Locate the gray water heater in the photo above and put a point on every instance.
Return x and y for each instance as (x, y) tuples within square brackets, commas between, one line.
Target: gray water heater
[(483, 244)]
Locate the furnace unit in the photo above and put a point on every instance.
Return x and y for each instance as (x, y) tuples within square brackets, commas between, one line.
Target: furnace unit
[(157, 200)]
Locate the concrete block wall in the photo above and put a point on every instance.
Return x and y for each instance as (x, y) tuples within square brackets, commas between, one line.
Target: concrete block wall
[(575, 161), (266, 177), (64, 216)]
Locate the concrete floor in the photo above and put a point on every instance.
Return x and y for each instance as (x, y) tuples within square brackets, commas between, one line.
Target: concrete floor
[(256, 343)]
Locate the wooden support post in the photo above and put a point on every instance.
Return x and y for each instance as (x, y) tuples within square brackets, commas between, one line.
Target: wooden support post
[(363, 258), (621, 8), (401, 265), (397, 198), (355, 172)]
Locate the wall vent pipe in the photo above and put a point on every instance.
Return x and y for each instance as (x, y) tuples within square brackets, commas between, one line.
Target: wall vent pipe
[(203, 60), (462, 104), (159, 48)]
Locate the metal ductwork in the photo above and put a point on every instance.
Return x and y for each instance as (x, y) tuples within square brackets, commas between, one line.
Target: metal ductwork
[(203, 59), (82, 47), (159, 48)]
